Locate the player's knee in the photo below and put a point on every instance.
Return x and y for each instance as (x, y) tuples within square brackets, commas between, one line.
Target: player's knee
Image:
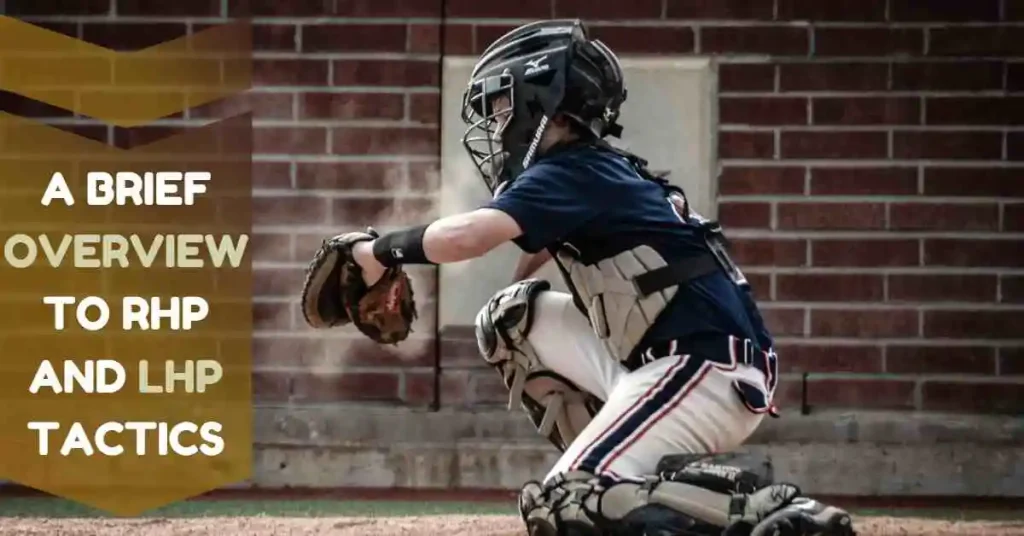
[(503, 323), (558, 408)]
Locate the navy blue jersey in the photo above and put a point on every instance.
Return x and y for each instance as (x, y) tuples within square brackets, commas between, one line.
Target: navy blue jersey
[(595, 201)]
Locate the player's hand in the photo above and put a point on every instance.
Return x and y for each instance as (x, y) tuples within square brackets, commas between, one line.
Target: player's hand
[(372, 270)]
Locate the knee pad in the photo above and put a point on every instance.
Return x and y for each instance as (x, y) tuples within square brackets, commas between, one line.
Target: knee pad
[(701, 470), (558, 408)]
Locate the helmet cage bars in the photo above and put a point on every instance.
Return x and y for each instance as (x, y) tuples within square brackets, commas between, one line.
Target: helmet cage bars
[(516, 87)]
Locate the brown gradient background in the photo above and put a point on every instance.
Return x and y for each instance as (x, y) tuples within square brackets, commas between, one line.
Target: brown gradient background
[(30, 153)]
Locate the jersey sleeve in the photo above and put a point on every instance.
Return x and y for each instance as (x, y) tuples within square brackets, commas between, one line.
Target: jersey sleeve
[(549, 202)]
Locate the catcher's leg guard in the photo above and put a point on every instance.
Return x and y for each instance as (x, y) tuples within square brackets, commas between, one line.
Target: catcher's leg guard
[(581, 504), (557, 407)]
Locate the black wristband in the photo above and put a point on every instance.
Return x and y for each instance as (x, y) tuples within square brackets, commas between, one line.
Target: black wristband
[(401, 247)]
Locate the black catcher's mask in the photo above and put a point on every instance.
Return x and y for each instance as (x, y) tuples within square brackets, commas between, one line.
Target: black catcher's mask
[(523, 80)]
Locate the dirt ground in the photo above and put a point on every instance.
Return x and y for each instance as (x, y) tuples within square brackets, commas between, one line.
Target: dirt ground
[(449, 525)]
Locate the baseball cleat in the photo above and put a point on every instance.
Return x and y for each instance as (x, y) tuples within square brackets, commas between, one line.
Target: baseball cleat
[(806, 517)]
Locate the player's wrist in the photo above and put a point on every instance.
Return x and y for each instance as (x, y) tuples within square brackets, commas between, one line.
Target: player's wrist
[(401, 247)]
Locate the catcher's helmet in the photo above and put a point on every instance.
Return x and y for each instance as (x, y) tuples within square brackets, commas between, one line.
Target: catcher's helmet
[(540, 69)]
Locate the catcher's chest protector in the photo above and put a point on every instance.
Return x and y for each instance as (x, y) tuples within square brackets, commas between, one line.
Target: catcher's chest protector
[(619, 312)]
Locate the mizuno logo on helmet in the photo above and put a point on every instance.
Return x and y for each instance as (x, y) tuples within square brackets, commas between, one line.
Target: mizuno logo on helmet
[(536, 66)]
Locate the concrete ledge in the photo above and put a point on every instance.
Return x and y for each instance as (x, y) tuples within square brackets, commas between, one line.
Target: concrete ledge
[(869, 453)]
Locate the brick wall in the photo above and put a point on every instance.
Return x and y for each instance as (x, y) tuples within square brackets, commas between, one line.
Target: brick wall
[(870, 154)]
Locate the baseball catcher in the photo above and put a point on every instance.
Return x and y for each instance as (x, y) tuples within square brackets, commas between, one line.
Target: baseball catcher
[(656, 359)]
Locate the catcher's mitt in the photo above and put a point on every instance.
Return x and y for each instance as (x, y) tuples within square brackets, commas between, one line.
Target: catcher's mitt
[(334, 293)]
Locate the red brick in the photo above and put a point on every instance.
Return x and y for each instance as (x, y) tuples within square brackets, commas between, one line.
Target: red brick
[(342, 176), (273, 37), (976, 41), (160, 8), (284, 140), (426, 38), (762, 111), (943, 359), (970, 253), (944, 217), (1011, 361), (485, 34), (273, 8), (270, 386), (760, 286), (1014, 76), (289, 210), (404, 73), (779, 40), (947, 76), (746, 145), (948, 145), (342, 106), (975, 110), (972, 324), (389, 8), (333, 387), (973, 182), (833, 76), (719, 9), (272, 247), (862, 11), (424, 108), (271, 175), (585, 9), (641, 40), (271, 316), (768, 252), (865, 253), (262, 106), (285, 282), (995, 398), (736, 180), (868, 324), (1011, 289), (424, 177), (746, 77), (386, 141), (526, 9), (864, 181), (362, 352), (783, 322), (289, 72), (275, 352), (867, 111), (860, 394), (131, 35), (831, 41), (829, 287), (829, 145), (915, 11), (937, 288), (831, 216), (65, 8), (377, 211), (796, 358), (1013, 217), (1015, 146), (743, 215), (353, 37)]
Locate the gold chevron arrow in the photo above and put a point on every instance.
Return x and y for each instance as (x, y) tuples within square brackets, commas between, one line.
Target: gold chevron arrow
[(125, 89)]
